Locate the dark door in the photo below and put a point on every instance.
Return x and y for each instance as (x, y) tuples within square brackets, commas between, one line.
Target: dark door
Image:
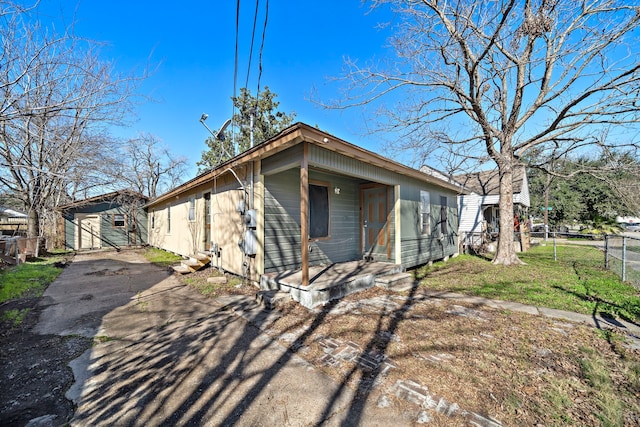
[(375, 227)]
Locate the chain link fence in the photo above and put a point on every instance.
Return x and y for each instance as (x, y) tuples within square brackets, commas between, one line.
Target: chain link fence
[(621, 253)]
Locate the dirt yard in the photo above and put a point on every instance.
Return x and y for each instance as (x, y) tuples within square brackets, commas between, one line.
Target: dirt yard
[(443, 361)]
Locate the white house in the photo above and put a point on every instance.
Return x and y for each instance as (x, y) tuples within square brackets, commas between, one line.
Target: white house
[(480, 208)]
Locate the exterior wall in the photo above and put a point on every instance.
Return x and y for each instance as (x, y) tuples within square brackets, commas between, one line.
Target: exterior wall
[(282, 213), (417, 248), (110, 236), (524, 198), (187, 237), (282, 221), (470, 206)]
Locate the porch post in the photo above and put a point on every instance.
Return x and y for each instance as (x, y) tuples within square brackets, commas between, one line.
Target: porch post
[(304, 213)]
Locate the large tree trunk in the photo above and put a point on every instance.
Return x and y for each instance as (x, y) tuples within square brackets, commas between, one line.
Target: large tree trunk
[(33, 224), (506, 253)]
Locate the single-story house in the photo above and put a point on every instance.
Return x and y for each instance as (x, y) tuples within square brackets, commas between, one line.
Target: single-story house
[(112, 220), (479, 210), (305, 199)]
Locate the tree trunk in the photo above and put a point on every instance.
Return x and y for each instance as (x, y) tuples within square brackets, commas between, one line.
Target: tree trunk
[(33, 224), (506, 253)]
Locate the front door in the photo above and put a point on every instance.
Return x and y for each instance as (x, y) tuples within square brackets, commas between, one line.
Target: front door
[(375, 226), (207, 221), (89, 229)]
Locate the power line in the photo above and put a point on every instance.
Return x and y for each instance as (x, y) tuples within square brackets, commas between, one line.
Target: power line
[(253, 36), (264, 31)]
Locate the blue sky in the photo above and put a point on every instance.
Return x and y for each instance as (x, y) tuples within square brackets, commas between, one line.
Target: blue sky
[(191, 46)]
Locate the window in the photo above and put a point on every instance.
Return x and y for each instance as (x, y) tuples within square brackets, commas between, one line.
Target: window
[(318, 211), (192, 208), (443, 215), (425, 213), (168, 218), (153, 219), (118, 220)]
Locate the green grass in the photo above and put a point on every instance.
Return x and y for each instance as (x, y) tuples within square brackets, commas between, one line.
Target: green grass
[(161, 257), (577, 281), (28, 279), (15, 317), (595, 370)]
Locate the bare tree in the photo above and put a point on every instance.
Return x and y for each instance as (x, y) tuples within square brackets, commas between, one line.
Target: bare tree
[(493, 80), (150, 168), (56, 98)]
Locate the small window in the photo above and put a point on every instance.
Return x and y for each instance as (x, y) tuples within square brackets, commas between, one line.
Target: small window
[(192, 208), (153, 219), (425, 213), (318, 211), (168, 218), (443, 215), (119, 220)]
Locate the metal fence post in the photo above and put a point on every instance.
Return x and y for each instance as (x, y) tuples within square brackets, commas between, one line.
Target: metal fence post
[(606, 251), (624, 258), (555, 250)]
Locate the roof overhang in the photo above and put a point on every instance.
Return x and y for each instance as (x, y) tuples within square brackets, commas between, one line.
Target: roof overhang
[(296, 134)]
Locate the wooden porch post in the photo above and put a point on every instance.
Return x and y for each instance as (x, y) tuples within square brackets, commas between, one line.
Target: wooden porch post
[(304, 213)]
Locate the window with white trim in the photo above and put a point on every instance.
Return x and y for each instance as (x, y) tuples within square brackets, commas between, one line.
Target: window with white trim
[(168, 219), (118, 220), (192, 208), (425, 213)]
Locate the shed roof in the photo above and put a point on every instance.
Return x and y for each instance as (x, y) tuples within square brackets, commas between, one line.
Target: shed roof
[(105, 197), (487, 183), (296, 134)]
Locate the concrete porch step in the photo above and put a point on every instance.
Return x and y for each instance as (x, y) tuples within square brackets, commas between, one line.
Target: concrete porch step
[(193, 263), (397, 282), (272, 299), (181, 269)]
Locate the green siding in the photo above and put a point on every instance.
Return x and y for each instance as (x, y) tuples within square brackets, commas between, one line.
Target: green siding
[(110, 236), (418, 248), (282, 211), (282, 221)]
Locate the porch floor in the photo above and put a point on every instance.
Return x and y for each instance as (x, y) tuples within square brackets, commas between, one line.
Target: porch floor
[(332, 281)]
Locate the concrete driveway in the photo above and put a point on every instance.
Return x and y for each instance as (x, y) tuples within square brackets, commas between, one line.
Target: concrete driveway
[(165, 355)]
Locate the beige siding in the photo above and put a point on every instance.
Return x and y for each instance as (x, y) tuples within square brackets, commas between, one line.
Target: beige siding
[(187, 237)]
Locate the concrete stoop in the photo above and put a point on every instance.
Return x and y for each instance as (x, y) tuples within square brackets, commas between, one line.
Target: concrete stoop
[(314, 295), (192, 264), (399, 282), (272, 299)]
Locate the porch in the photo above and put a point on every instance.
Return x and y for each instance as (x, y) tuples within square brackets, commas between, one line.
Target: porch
[(334, 281)]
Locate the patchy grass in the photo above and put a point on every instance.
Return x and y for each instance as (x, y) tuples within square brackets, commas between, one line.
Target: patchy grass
[(577, 281), (233, 284), (161, 257), (28, 279), (14, 317), (514, 367)]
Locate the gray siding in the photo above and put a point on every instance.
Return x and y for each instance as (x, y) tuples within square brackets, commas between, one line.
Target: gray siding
[(282, 221), (416, 248), (282, 212), (69, 231), (110, 236)]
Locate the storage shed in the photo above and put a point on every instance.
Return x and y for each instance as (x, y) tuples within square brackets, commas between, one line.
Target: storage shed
[(112, 220)]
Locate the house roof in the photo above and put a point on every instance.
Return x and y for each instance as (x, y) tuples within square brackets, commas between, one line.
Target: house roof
[(487, 183), (103, 197), (11, 213), (298, 133)]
